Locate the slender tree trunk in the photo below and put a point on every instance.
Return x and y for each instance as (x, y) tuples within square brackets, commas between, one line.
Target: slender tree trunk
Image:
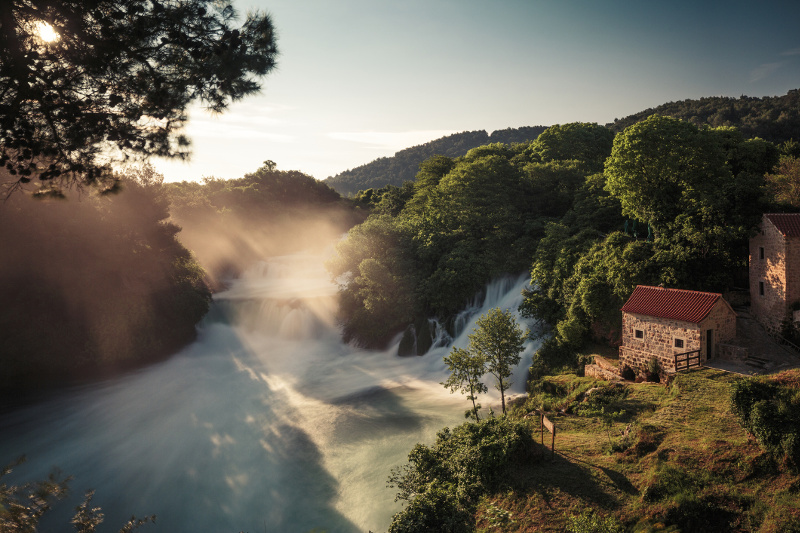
[(475, 410)]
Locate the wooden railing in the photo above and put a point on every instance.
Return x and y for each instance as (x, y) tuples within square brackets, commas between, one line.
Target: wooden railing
[(687, 360), (787, 342)]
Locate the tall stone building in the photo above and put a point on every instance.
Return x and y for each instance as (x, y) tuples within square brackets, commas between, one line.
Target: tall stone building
[(660, 323), (775, 270)]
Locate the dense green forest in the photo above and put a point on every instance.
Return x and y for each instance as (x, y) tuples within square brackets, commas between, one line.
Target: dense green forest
[(432, 244), (590, 213), (404, 164)]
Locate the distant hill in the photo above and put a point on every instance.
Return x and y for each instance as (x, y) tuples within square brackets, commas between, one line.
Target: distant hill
[(403, 166), (773, 118)]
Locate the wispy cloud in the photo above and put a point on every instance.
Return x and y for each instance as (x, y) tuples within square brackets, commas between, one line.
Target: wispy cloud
[(242, 122), (765, 70), (792, 52), (389, 139)]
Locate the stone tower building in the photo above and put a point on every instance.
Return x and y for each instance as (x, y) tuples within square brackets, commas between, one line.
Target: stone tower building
[(775, 270)]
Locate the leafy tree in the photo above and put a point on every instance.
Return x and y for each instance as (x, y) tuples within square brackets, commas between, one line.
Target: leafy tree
[(661, 166), (377, 280), (586, 142), (117, 79), (406, 164), (774, 118), (784, 182), (466, 370), (498, 340), (141, 284)]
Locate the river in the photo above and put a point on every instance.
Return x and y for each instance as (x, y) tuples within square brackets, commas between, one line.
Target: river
[(267, 423)]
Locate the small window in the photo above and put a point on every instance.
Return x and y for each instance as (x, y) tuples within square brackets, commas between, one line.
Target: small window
[(679, 343), (761, 288), (638, 333), (761, 252)]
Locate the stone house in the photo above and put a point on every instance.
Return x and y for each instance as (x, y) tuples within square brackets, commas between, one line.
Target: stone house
[(775, 270), (659, 322)]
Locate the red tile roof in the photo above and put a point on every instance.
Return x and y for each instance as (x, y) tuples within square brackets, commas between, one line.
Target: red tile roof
[(787, 223), (673, 304)]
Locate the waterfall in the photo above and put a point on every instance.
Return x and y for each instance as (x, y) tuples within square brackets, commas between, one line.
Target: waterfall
[(267, 423)]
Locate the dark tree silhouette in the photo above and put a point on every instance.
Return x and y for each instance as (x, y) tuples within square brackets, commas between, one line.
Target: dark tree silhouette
[(87, 82)]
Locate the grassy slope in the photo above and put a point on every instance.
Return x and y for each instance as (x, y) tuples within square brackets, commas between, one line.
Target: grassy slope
[(686, 428)]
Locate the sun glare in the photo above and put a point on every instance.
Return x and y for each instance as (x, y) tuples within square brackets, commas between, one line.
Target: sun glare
[(46, 32)]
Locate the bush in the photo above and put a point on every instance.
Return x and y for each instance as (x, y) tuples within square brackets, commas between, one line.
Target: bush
[(435, 509), (449, 477), (605, 398), (771, 412)]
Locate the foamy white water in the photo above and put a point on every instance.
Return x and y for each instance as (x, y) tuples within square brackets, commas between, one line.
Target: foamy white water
[(266, 423)]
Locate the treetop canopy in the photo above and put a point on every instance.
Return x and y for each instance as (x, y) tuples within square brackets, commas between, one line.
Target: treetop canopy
[(111, 80)]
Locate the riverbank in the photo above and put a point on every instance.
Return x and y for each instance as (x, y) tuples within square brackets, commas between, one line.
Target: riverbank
[(675, 456)]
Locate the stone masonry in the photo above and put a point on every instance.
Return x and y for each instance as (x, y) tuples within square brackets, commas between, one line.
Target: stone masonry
[(658, 337), (775, 270)]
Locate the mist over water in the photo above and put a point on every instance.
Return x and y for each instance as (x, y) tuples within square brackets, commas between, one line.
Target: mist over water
[(267, 423)]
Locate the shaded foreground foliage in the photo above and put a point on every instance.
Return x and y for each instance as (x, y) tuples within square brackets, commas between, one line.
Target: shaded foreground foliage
[(93, 283), (22, 506), (769, 408)]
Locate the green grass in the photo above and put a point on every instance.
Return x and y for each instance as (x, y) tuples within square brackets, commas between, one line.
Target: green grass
[(686, 465)]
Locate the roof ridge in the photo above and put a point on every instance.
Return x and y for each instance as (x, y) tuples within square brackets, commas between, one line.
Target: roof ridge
[(676, 289), (677, 304)]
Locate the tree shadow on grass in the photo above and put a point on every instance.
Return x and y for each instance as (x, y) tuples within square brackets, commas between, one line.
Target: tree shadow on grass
[(575, 477)]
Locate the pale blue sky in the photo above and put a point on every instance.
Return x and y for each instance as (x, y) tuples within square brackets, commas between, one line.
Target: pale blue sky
[(361, 79)]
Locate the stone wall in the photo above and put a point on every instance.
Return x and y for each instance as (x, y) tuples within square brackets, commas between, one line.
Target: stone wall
[(730, 352), (792, 274), (723, 321), (659, 334), (769, 308), (658, 340)]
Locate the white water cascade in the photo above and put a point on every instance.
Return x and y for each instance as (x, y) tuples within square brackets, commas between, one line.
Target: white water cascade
[(266, 423)]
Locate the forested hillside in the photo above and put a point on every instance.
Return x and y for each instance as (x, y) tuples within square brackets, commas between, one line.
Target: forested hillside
[(432, 244), (590, 213), (403, 166), (774, 118), (229, 224)]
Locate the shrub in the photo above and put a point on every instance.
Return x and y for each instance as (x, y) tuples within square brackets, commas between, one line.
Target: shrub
[(449, 477), (771, 412), (604, 398), (434, 509)]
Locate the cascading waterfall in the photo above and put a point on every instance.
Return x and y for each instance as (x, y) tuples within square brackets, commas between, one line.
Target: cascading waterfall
[(266, 423)]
